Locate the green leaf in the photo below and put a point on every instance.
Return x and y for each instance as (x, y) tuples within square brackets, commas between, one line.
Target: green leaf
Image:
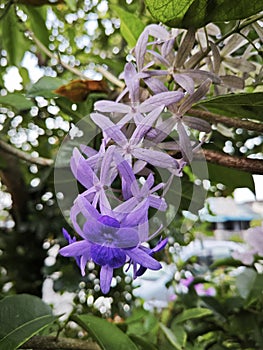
[(197, 13), (171, 337), (45, 86), (245, 282), (189, 314), (231, 178), (16, 101), (37, 20), (13, 40), (21, 317), (131, 26), (106, 334), (245, 105)]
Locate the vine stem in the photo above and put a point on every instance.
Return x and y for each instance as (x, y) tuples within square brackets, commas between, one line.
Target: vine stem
[(25, 156), (218, 118), (109, 76)]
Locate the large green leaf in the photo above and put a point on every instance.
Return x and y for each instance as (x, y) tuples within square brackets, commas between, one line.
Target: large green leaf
[(231, 178), (21, 317), (16, 101), (197, 13), (131, 26), (45, 86), (177, 338), (189, 314), (106, 334), (13, 40), (245, 105)]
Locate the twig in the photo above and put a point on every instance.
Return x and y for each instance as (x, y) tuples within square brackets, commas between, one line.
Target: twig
[(110, 77), (25, 156), (253, 166), (50, 343), (218, 118)]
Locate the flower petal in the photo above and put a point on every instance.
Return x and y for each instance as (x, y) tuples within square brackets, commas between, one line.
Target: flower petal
[(113, 257), (106, 274), (140, 257), (111, 106)]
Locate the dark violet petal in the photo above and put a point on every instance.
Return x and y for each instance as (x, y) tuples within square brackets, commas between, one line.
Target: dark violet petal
[(106, 274), (140, 257), (68, 237), (109, 221), (161, 244), (113, 257)]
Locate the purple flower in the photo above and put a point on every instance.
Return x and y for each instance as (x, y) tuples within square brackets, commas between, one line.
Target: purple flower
[(109, 243)]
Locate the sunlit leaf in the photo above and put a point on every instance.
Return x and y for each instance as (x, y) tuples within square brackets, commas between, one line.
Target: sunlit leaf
[(21, 317), (78, 90), (131, 25), (178, 343), (106, 334), (197, 13), (16, 101)]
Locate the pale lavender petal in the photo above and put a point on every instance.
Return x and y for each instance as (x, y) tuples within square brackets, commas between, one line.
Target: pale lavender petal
[(143, 231), (88, 151), (160, 58), (132, 81), (168, 48), (157, 202), (138, 256), (111, 106), (156, 158), (200, 75), (111, 130), (184, 142), (144, 126), (106, 274), (158, 32), (185, 82), (163, 98), (106, 165), (155, 85), (138, 215), (195, 97), (140, 48), (81, 170), (197, 124)]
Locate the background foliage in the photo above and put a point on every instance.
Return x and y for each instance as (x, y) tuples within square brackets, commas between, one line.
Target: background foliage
[(47, 53)]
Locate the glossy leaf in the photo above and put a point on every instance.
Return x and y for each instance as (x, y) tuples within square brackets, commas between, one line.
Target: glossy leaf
[(45, 87), (131, 26), (106, 334), (16, 101), (189, 314), (177, 340), (197, 13), (12, 34), (245, 105), (21, 317)]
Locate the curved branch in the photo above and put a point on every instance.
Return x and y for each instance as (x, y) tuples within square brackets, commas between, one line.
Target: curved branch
[(25, 156), (218, 118), (253, 166), (50, 343)]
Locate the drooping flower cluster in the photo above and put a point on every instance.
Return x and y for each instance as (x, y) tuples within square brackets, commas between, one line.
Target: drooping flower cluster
[(111, 216)]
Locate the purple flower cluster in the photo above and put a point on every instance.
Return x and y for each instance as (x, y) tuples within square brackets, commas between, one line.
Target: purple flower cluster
[(111, 216)]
